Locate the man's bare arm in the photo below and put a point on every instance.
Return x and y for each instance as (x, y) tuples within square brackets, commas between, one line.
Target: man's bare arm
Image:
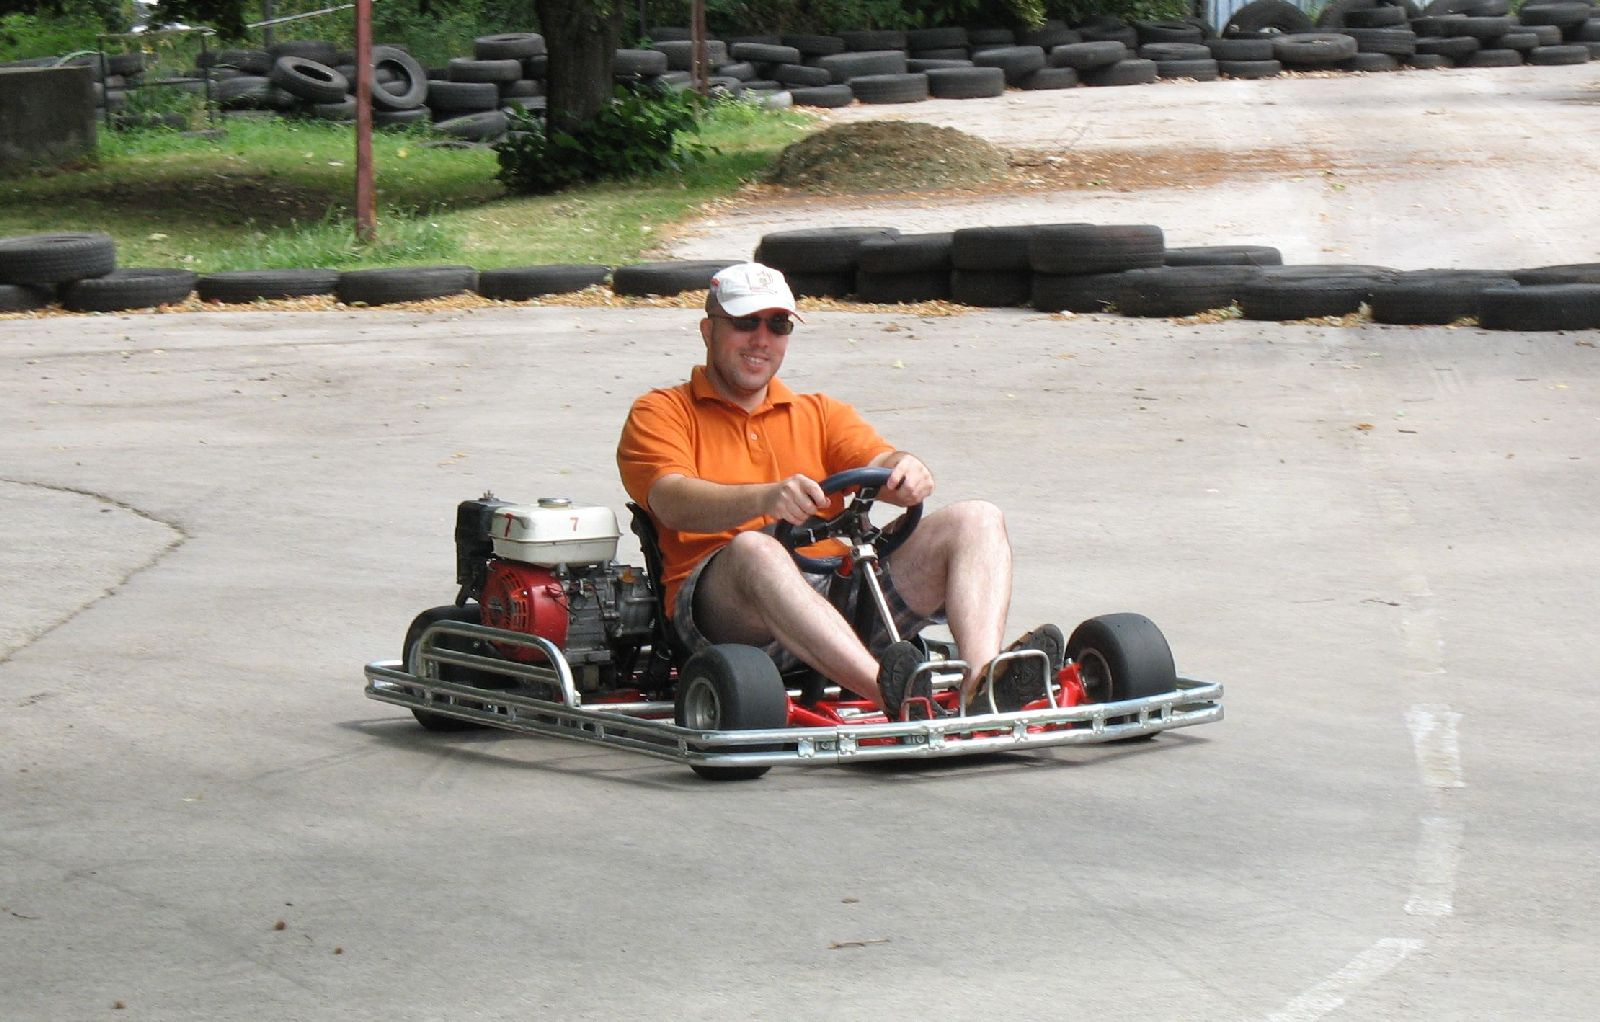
[(698, 505)]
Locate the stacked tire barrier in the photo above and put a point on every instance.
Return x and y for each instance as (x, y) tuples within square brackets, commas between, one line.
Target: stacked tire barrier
[(1084, 268)]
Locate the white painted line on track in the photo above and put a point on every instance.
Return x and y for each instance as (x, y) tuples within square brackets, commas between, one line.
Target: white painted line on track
[(1433, 887), (1365, 968), (1438, 749)]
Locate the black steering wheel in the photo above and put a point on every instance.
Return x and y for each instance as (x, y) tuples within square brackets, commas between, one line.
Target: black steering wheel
[(851, 525)]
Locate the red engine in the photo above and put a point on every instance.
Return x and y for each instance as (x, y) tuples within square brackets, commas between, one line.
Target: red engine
[(525, 598)]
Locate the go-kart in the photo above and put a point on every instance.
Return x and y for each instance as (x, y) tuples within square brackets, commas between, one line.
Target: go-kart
[(549, 635)]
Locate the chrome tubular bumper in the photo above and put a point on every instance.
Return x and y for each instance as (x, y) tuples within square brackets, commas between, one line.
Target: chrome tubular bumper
[(647, 727)]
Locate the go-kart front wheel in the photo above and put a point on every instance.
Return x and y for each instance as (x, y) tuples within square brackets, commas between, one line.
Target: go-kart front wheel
[(446, 672), (1121, 656), (730, 688)]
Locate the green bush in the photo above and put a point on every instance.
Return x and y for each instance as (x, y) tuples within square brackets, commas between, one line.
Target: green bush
[(637, 134)]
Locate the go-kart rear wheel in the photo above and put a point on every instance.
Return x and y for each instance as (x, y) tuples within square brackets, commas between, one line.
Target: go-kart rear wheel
[(730, 688), (1121, 656), (445, 672)]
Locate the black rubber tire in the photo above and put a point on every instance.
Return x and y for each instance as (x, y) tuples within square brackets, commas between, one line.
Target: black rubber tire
[(1562, 15), (1313, 49), (1168, 32), (237, 287), (1541, 307), (251, 62), (399, 118), (1003, 248), (1455, 48), (25, 297), (1566, 273), (1078, 292), (1283, 299), (1087, 56), (404, 284), (845, 66), (1370, 62), (521, 283), (1223, 255), (1396, 42), (667, 277), (823, 97), (819, 249), (899, 288), (765, 53), (246, 92), (991, 289), (1123, 72), (132, 288), (497, 72), (452, 98), (1108, 29), (1482, 29), (822, 285), (895, 88), (1192, 70), (869, 40), (309, 79), (1331, 17), (1551, 56), (1267, 17), (680, 54), (1429, 61), (1240, 49), (730, 687), (800, 74), (906, 253), (483, 126), (635, 63), (1016, 62), (409, 75), (1175, 51), (1249, 70), (1492, 58), (1522, 42), (509, 46), (1121, 656), (56, 258), (1049, 35), (1049, 78), (811, 45), (990, 36), (447, 672), (1485, 8), (1181, 290), (966, 82), (1434, 297), (1094, 248)]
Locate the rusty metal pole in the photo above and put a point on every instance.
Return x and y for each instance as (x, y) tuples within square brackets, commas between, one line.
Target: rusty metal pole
[(366, 197), (699, 76)]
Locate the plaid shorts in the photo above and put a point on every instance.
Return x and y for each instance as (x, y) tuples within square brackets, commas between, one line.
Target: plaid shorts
[(842, 593)]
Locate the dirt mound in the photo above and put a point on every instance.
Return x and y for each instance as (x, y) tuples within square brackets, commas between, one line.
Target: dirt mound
[(887, 156)]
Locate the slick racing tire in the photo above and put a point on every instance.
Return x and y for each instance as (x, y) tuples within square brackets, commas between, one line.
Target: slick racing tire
[(1121, 656), (730, 688)]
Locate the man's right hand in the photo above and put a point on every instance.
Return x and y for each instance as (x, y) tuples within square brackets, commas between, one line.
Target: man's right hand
[(796, 499)]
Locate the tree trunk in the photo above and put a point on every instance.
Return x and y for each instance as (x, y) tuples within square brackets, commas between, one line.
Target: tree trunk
[(581, 36)]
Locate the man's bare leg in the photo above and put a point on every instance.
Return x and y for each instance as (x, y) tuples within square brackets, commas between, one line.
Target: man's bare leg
[(752, 592), (959, 558)]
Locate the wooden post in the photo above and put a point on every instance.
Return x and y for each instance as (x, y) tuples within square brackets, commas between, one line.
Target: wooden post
[(366, 212)]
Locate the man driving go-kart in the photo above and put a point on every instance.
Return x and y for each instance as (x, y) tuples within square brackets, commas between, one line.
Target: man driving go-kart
[(724, 460)]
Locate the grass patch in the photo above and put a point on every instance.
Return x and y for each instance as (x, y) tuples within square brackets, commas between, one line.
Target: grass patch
[(276, 194)]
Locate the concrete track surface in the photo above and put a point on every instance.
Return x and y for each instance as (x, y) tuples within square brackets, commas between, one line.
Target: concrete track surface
[(1380, 539)]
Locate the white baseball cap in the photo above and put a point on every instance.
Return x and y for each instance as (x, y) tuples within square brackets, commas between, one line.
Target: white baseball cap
[(748, 288)]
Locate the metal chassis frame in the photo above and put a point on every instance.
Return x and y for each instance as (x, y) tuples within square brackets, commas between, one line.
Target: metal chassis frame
[(647, 727)]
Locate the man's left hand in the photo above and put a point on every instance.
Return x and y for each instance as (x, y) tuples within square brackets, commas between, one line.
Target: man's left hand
[(910, 483)]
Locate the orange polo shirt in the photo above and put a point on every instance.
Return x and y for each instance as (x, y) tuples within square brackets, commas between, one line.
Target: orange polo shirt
[(693, 431)]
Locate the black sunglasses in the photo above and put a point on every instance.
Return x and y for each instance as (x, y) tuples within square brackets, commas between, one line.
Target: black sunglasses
[(781, 326)]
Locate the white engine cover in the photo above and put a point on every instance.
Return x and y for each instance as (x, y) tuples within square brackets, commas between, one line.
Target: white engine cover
[(555, 531)]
